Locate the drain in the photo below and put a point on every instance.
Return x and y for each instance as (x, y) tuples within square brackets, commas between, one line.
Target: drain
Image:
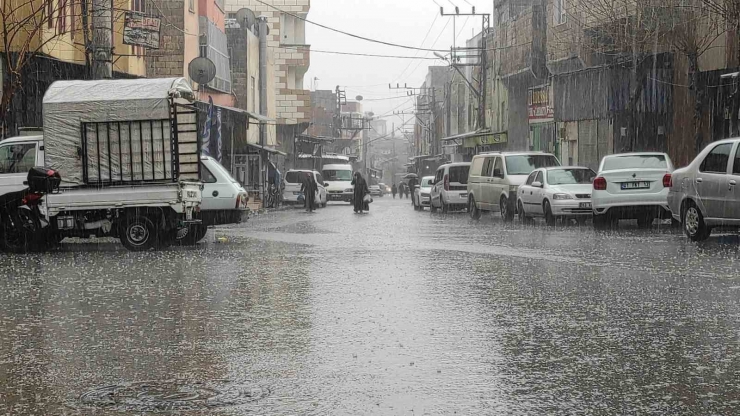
[(172, 395)]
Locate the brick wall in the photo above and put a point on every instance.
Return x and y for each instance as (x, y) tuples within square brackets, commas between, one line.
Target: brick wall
[(168, 60)]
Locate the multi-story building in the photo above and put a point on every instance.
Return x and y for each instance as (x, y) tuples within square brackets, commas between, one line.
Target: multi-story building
[(287, 38), (48, 45)]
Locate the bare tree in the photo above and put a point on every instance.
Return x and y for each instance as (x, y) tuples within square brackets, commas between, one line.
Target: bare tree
[(27, 27)]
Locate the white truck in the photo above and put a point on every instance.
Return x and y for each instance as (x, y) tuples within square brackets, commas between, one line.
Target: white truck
[(129, 156)]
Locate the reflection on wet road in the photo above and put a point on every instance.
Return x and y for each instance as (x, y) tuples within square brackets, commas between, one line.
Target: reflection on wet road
[(393, 312)]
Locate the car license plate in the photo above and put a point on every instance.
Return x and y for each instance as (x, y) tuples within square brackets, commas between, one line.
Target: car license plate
[(636, 185), (463, 195), (296, 193), (584, 205)]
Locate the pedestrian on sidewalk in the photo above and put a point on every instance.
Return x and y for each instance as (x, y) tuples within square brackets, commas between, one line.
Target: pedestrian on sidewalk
[(361, 189), (309, 189), (394, 190), (412, 188)]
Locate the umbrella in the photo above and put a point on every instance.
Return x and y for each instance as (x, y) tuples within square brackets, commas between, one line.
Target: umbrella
[(411, 175)]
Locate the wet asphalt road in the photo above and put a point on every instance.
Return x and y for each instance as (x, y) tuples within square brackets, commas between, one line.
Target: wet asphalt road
[(392, 312)]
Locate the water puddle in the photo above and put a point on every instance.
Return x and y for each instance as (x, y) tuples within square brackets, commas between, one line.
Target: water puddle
[(171, 395)]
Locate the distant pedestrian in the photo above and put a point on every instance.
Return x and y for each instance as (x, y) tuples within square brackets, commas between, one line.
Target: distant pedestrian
[(361, 189), (309, 189), (394, 190), (412, 187)]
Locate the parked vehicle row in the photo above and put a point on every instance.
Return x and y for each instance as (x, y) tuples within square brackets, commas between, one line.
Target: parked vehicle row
[(702, 196), (293, 181)]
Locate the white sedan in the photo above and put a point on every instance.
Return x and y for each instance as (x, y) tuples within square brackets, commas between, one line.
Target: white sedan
[(422, 193), (556, 192)]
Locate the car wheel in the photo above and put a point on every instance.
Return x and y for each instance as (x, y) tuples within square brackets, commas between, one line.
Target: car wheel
[(139, 233), (473, 209), (693, 223), (523, 218), (445, 207), (507, 213), (549, 218)]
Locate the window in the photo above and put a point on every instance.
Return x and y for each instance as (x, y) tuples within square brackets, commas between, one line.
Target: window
[(736, 165), (338, 175), (253, 93), (525, 164), (459, 174), (570, 176), (137, 6), (560, 16), (488, 167), (440, 175), (17, 158), (540, 177), (716, 160), (499, 166), (531, 177), (636, 162), (208, 177), (477, 166)]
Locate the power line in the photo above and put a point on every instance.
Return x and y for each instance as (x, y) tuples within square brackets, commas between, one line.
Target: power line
[(350, 53), (396, 45), (436, 16)]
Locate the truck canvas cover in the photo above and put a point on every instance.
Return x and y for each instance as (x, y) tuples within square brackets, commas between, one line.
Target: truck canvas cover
[(116, 131)]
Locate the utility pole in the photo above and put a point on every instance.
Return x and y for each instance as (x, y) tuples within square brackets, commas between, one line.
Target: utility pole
[(102, 39), (262, 25)]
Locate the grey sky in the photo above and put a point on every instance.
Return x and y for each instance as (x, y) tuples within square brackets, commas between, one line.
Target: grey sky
[(398, 21)]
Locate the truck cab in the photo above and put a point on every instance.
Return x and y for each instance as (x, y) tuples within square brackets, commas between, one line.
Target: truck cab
[(17, 156)]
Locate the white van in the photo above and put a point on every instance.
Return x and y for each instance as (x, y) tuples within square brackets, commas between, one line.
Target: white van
[(338, 180), (449, 187), (293, 182), (495, 178)]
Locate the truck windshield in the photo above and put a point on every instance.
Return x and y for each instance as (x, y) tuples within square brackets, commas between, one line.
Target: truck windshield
[(17, 158), (338, 175), (525, 164)]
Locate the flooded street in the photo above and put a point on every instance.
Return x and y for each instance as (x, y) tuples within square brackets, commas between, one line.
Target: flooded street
[(393, 312)]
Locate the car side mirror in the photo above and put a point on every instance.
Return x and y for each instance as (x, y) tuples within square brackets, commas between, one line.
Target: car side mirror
[(326, 184), (537, 184), (497, 173)]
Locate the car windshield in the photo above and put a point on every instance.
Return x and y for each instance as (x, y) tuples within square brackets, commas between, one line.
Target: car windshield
[(459, 174), (525, 164), (570, 176), (427, 182), (635, 162), (338, 175)]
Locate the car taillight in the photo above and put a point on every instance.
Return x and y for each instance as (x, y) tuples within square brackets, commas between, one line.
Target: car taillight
[(600, 184), (238, 201), (667, 180), (447, 182)]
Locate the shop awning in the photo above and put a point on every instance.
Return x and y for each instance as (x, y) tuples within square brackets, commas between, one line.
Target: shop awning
[(254, 116), (267, 149), (459, 138)]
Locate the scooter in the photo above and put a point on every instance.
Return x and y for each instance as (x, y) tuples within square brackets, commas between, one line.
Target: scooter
[(20, 217)]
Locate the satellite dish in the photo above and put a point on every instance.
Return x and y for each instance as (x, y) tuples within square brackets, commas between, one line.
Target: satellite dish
[(246, 18), (359, 98), (371, 114), (202, 70)]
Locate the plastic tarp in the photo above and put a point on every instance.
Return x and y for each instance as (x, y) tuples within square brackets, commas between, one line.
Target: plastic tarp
[(119, 103)]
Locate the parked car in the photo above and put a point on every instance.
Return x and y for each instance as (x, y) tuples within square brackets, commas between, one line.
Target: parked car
[(375, 190), (422, 193), (495, 178), (450, 187), (705, 194), (557, 192), (293, 181), (630, 186), (385, 188)]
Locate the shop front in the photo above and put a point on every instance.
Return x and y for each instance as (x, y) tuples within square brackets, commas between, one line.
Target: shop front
[(541, 114)]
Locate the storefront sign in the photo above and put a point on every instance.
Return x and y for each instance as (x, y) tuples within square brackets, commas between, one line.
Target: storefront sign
[(540, 105), (496, 138), (141, 30)]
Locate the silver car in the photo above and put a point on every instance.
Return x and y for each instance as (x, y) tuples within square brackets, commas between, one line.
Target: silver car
[(706, 193)]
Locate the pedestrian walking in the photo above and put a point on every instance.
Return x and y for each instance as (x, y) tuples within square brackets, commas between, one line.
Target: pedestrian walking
[(361, 189), (412, 185), (309, 189), (394, 190)]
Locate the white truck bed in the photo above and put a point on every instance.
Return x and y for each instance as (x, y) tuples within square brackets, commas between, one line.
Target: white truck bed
[(179, 196)]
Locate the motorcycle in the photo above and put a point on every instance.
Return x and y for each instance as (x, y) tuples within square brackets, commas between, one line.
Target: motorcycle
[(21, 227)]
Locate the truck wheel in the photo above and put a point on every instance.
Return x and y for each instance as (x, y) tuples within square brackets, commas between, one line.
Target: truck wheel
[(195, 234), (139, 233)]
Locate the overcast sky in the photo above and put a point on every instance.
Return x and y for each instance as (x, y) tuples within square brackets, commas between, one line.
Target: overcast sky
[(404, 22)]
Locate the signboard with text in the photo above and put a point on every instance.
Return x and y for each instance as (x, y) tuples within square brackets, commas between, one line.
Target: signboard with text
[(141, 30), (539, 105)]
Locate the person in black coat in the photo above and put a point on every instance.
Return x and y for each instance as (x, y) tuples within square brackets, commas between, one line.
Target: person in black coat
[(361, 189), (309, 189)]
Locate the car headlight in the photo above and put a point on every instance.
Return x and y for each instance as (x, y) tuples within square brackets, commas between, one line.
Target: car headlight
[(562, 196), (513, 188), (349, 190)]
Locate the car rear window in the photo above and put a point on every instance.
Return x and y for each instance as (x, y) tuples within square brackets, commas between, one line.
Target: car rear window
[(294, 177), (635, 162), (525, 164), (459, 174)]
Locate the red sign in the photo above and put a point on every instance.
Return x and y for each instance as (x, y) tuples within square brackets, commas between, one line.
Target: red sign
[(539, 105)]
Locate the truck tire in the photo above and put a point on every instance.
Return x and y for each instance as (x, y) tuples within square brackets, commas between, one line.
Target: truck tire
[(195, 234), (139, 233)]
